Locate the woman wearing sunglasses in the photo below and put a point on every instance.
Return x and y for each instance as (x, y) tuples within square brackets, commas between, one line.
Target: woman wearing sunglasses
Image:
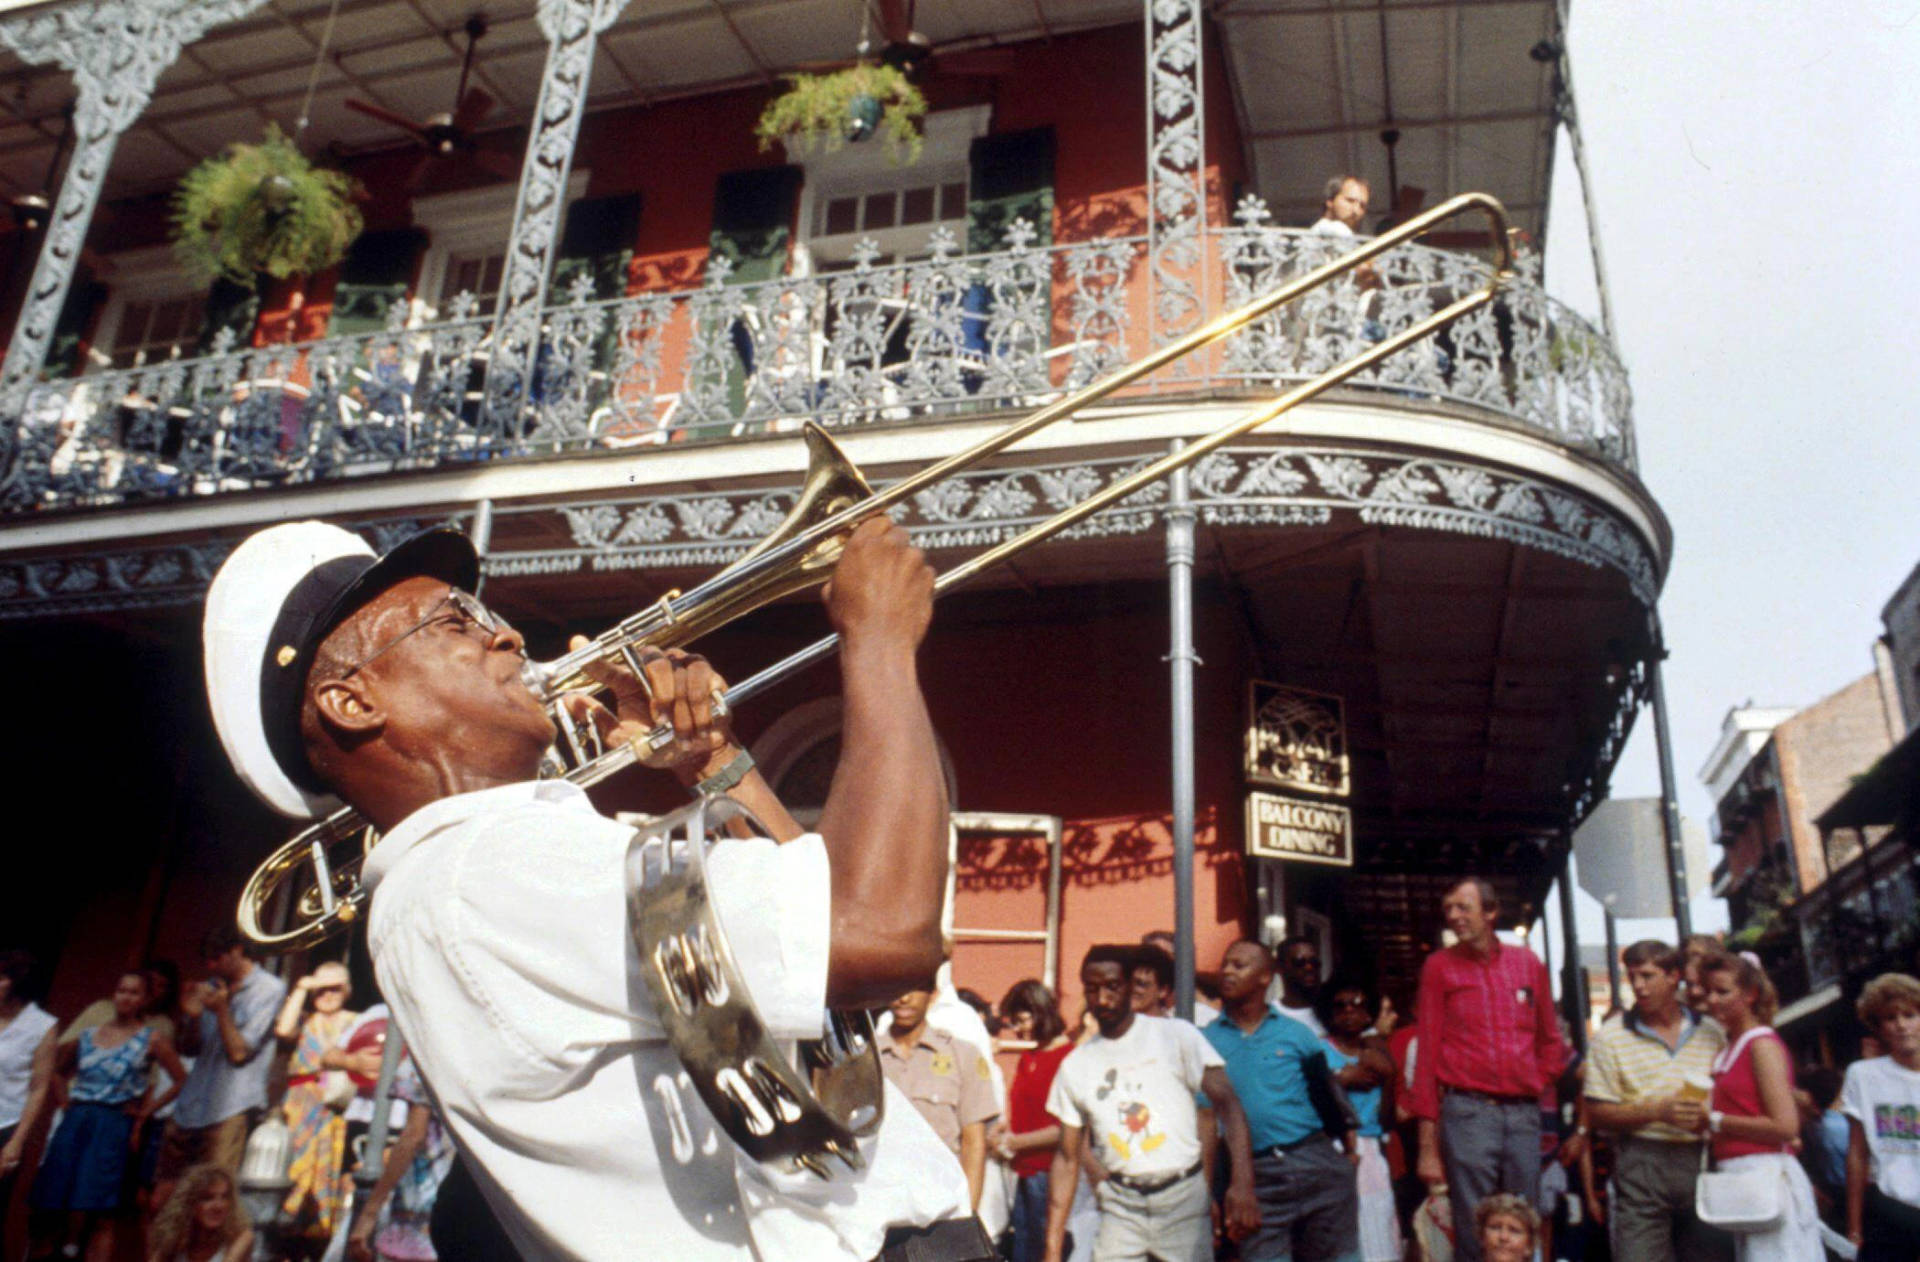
[(316, 1128)]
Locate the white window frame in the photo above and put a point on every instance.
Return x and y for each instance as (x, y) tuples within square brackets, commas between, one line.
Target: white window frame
[(469, 222), (857, 170), (150, 274)]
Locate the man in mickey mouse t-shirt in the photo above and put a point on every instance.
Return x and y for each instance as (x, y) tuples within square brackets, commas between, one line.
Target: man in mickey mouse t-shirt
[(949, 1082)]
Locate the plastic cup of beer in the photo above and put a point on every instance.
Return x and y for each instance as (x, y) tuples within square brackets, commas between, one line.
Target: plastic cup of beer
[(1695, 1088)]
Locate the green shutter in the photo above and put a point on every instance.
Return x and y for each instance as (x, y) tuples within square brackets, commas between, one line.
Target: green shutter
[(753, 221), (1011, 178), (230, 305), (84, 297), (597, 241), (752, 225), (374, 275)]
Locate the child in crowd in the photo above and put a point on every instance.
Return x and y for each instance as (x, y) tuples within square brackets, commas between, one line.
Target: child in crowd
[(1509, 1229), (202, 1221)]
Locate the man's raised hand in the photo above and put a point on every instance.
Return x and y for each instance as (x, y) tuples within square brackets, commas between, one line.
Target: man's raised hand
[(882, 588)]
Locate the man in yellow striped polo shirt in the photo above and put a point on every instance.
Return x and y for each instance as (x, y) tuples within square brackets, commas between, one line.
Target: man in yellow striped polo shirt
[(1638, 1075)]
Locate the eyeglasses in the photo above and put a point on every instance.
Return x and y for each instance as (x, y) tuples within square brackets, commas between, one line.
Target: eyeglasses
[(1350, 1001), (466, 608)]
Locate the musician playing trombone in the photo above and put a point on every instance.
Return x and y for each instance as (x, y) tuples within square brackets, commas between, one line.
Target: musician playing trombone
[(498, 926)]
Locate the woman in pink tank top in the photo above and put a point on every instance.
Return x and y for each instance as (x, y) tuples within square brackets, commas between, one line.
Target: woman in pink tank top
[(1752, 1118)]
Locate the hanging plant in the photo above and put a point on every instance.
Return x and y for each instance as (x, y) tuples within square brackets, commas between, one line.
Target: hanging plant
[(829, 110), (263, 208)]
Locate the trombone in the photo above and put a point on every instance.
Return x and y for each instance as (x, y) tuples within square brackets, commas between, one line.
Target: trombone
[(801, 553)]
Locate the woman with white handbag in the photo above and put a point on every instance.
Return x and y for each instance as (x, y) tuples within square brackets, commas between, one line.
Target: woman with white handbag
[(1757, 1190)]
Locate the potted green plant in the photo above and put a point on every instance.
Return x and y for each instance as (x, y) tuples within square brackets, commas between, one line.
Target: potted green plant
[(829, 110), (263, 208)]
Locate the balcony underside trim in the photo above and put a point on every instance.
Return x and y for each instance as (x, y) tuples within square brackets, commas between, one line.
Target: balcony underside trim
[(1280, 484)]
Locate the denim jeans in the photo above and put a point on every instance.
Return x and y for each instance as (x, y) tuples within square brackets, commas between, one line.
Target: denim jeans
[(1030, 1218)]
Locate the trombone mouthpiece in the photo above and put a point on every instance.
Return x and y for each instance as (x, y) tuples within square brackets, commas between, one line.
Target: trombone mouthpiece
[(536, 676)]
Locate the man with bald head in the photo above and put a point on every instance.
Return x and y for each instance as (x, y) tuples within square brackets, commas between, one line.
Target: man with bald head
[(499, 926), (1309, 1201)]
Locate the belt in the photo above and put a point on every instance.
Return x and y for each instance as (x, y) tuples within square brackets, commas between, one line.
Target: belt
[(301, 1080), (1496, 1099), (1157, 1184), (1281, 1150)]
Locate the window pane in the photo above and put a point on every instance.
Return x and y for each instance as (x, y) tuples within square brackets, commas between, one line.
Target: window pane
[(133, 325), (879, 211), (843, 215), (916, 205), (953, 200), (167, 319)]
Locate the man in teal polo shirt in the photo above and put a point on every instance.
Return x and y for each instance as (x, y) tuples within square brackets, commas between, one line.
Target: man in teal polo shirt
[(1309, 1204)]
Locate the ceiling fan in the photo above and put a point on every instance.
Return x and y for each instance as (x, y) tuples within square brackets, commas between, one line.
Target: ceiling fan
[(914, 55), (446, 137)]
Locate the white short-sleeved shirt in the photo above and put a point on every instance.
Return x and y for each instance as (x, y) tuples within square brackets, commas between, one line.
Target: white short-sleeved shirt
[(1885, 1099), (1134, 1095), (499, 934)]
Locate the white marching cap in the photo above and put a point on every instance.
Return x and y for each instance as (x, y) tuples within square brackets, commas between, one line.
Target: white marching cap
[(270, 606)]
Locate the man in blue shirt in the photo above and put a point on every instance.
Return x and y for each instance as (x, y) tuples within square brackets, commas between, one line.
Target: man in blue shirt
[(228, 1026), (1309, 1204)]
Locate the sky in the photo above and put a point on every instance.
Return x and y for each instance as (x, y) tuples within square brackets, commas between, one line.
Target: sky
[(1756, 177)]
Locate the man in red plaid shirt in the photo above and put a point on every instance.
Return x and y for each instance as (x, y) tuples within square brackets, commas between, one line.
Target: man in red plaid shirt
[(1489, 1044)]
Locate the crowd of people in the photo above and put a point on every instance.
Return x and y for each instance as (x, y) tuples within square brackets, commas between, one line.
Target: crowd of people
[(154, 1092), (1298, 1116), (1301, 1116)]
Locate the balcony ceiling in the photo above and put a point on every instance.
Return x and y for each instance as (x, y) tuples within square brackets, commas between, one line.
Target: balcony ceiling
[(406, 55), (1315, 84), (1312, 80)]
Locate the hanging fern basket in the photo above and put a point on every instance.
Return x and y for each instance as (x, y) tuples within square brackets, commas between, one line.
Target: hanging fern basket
[(263, 208), (829, 110)]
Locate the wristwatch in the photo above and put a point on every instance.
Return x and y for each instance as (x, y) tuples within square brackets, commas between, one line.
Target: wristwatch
[(1714, 1118)]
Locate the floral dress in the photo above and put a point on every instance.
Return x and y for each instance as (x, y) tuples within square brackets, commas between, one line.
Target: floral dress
[(404, 1238), (318, 1133)]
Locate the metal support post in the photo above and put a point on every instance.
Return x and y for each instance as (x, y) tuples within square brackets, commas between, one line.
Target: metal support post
[(115, 53), (1613, 961), (367, 1173), (1181, 660), (480, 532), (572, 28), (1669, 801), (1573, 983)]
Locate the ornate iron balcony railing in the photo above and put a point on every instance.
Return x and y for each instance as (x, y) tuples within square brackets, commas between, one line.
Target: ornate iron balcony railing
[(923, 340)]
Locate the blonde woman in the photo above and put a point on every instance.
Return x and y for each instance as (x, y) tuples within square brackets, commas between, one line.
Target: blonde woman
[(202, 1221), (317, 1130)]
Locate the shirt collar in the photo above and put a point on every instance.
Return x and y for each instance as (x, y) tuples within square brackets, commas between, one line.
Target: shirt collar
[(1273, 1013), (451, 812), (1689, 1022), (932, 1038)]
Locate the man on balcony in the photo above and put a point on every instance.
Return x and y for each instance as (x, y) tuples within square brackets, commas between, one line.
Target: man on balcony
[(1345, 208), (499, 926)]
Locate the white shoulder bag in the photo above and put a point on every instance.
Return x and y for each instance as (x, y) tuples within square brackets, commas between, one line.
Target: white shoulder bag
[(1744, 1202)]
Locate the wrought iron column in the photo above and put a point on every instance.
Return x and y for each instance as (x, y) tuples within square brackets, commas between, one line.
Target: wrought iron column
[(1573, 978), (572, 28), (1181, 659), (1176, 172), (115, 50), (1613, 960), (1669, 801)]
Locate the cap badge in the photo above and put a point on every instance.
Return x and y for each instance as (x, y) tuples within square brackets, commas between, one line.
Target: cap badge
[(286, 654)]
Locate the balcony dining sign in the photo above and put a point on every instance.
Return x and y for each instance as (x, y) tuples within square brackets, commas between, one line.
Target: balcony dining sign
[(1296, 743)]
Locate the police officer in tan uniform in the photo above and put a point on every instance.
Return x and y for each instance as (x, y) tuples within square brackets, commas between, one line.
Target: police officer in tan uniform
[(949, 1082)]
